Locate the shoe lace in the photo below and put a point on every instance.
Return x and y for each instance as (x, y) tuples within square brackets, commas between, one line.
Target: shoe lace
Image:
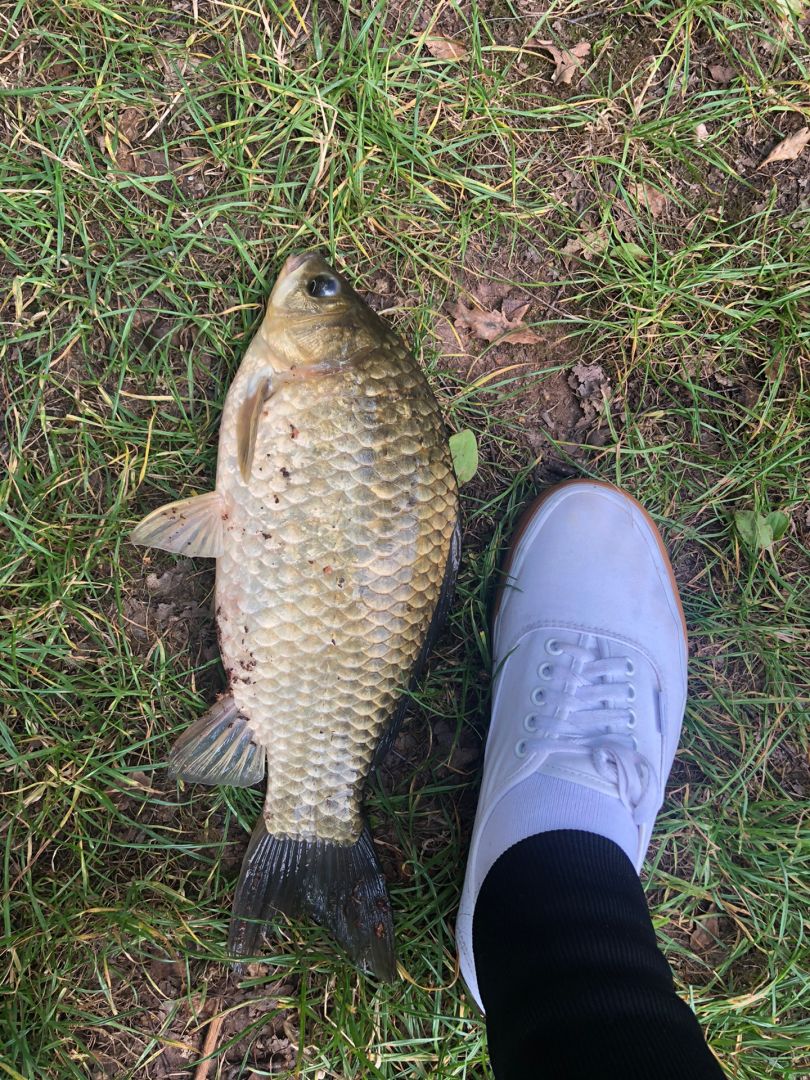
[(587, 709)]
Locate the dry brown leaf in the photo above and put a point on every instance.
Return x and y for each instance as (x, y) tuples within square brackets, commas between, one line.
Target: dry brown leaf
[(721, 73), (705, 935), (444, 48), (650, 198), (589, 243), (566, 61), (492, 325), (790, 148), (130, 123), (586, 378), (592, 388), (515, 309), (128, 127)]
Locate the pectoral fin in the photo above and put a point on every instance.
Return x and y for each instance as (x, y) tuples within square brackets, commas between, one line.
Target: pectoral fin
[(247, 425), (189, 527)]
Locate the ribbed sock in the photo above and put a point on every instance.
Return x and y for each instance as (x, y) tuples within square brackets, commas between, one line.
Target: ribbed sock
[(570, 975)]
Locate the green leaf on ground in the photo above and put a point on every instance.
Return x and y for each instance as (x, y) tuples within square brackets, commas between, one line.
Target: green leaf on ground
[(759, 531), (464, 451), (778, 523), (632, 250)]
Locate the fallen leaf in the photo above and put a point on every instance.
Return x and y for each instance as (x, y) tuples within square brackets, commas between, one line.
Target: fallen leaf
[(492, 325), (61, 69), (444, 48), (761, 531), (632, 250), (566, 61), (464, 452), (592, 387), (490, 293), (790, 8), (654, 200), (721, 73), (587, 378), (701, 133), (130, 122), (776, 365), (515, 309), (705, 935), (589, 243), (790, 148)]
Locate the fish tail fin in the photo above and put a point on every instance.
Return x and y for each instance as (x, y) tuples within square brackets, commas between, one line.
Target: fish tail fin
[(340, 886)]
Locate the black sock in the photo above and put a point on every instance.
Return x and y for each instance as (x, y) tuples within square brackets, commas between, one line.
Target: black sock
[(570, 975)]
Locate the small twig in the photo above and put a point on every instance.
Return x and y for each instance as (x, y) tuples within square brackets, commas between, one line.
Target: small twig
[(211, 1036)]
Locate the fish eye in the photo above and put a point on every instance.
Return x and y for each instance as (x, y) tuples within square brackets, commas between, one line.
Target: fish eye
[(323, 285)]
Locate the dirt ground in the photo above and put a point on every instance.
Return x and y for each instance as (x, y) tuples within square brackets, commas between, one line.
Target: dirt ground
[(565, 396), (553, 420)]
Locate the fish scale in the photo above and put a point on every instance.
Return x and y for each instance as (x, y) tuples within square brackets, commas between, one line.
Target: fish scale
[(360, 570), (334, 526)]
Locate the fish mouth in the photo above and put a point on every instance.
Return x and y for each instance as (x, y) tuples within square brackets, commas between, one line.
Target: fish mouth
[(295, 262)]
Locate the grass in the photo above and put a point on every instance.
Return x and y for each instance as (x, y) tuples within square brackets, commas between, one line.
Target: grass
[(160, 162)]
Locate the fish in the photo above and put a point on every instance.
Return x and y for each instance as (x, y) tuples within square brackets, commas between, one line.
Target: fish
[(334, 522)]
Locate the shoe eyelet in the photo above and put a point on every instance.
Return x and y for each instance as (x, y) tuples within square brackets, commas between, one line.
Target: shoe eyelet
[(521, 749), (553, 647), (530, 723), (538, 696), (631, 692), (631, 719), (544, 671), (629, 667)]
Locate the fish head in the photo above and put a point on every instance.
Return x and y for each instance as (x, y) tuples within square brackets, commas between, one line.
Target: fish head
[(315, 317)]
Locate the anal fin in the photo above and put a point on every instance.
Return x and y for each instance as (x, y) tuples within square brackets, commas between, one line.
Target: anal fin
[(219, 748), (189, 527)]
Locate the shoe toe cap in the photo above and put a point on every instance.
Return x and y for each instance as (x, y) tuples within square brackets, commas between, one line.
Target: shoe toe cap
[(590, 557)]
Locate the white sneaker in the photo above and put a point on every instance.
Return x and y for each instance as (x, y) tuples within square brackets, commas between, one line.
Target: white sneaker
[(589, 655)]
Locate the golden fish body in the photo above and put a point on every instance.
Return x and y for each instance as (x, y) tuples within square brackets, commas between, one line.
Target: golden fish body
[(334, 527), (334, 555)]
